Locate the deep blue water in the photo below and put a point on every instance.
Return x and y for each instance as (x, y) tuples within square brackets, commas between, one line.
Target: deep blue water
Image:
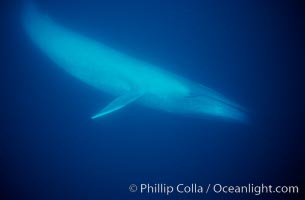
[(251, 51)]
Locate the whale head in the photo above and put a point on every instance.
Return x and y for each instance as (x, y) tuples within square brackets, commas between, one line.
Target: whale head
[(202, 101)]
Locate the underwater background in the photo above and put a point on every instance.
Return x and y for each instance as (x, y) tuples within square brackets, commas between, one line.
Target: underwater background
[(250, 51)]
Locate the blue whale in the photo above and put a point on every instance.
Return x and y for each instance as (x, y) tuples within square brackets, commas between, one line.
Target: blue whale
[(127, 79)]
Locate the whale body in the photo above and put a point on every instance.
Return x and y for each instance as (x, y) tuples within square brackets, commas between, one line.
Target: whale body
[(125, 78)]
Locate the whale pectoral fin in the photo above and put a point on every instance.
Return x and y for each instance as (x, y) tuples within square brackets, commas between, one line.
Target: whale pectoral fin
[(118, 103)]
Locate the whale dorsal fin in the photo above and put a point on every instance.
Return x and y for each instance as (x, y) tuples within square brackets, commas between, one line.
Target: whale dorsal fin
[(118, 103)]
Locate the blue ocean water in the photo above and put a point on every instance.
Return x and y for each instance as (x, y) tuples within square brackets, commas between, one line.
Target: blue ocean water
[(251, 51)]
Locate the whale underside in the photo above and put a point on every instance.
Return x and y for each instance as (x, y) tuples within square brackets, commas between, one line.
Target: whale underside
[(125, 78)]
